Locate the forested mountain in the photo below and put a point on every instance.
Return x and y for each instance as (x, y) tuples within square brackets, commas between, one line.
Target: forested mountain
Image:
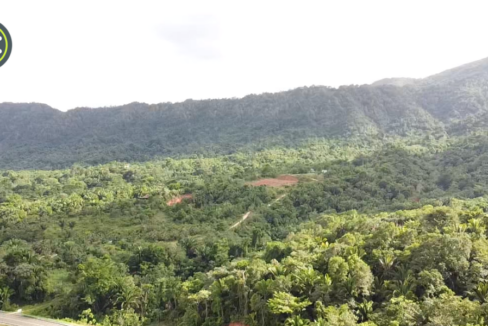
[(37, 136), (370, 235), (382, 221)]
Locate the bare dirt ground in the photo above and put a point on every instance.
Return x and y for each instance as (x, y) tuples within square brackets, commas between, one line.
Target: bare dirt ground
[(280, 181), (178, 199)]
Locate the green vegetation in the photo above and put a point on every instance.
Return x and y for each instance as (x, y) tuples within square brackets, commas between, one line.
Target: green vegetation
[(451, 103), (371, 234), (387, 225)]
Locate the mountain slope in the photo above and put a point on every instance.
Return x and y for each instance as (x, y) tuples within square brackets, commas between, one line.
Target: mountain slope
[(37, 136)]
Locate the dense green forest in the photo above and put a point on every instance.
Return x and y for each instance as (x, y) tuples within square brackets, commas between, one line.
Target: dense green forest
[(371, 234), (151, 214), (36, 136)]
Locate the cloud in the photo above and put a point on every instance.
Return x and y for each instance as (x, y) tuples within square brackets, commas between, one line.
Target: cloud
[(197, 37)]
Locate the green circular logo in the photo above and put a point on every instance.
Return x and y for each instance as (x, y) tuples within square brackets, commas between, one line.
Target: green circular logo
[(5, 45)]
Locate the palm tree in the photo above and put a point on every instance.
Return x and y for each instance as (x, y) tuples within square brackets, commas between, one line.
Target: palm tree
[(260, 297), (190, 245), (128, 297), (322, 289), (365, 309), (246, 243), (296, 321), (144, 298), (320, 322), (257, 236), (386, 262), (475, 225), (200, 298), (481, 292), (404, 287), (277, 270), (461, 228), (39, 276), (306, 279), (243, 292), (403, 273), (167, 292), (5, 294)]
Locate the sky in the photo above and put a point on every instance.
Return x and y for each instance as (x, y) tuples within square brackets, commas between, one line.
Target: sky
[(70, 54)]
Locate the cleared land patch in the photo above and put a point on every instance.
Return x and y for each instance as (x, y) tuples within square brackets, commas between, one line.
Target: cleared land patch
[(280, 181), (178, 199)]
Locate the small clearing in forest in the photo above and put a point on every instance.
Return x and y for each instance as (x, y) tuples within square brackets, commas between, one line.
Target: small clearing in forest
[(178, 199), (280, 181)]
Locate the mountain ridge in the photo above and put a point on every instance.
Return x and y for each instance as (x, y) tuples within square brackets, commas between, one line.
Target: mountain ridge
[(37, 136)]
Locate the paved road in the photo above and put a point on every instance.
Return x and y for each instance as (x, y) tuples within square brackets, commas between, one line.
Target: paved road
[(16, 319)]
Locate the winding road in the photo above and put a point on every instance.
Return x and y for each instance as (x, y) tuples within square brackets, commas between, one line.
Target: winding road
[(249, 213), (17, 319)]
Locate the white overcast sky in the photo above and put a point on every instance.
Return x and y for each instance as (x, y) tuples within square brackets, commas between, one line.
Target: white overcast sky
[(73, 53)]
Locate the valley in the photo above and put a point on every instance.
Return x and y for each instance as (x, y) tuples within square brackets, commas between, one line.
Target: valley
[(361, 205)]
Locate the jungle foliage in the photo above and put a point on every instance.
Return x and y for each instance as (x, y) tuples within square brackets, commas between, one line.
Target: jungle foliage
[(386, 226), (36, 136), (371, 234)]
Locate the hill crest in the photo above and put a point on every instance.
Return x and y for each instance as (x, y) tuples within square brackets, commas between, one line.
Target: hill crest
[(37, 136)]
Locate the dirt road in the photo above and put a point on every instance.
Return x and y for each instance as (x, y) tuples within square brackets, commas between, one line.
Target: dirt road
[(245, 216)]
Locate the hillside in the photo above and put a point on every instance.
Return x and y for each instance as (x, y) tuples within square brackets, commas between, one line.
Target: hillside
[(37, 136), (382, 219), (364, 237)]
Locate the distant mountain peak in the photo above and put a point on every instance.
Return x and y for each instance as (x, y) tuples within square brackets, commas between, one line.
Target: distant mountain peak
[(402, 81), (452, 102), (470, 70), (466, 71)]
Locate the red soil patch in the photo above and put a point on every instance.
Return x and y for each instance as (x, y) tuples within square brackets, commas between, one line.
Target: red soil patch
[(281, 181), (178, 199), (237, 324)]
